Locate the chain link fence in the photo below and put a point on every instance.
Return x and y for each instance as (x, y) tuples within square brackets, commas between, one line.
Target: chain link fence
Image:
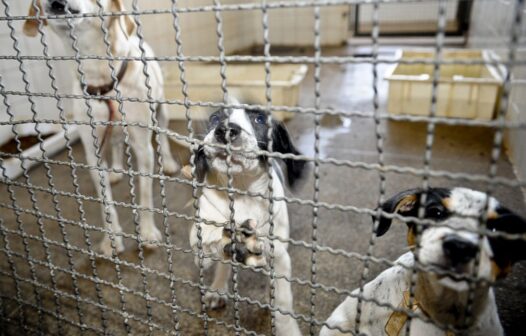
[(55, 280)]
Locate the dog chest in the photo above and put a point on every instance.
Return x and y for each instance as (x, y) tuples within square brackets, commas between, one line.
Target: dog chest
[(244, 207)]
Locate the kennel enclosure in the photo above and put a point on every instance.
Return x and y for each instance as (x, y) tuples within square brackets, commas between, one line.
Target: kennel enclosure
[(360, 145)]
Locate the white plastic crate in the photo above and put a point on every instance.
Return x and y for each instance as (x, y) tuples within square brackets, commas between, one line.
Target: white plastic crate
[(464, 91), (245, 81)]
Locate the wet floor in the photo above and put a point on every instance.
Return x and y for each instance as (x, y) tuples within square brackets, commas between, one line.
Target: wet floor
[(157, 291)]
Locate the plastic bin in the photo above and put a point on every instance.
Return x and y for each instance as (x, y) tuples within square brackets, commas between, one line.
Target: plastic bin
[(244, 81), (464, 91)]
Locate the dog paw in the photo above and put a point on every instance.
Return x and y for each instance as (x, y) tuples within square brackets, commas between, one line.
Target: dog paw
[(214, 300), (150, 237), (170, 166), (248, 248), (105, 246), (115, 177)]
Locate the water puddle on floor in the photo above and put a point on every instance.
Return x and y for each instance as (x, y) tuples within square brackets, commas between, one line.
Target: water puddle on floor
[(331, 127)]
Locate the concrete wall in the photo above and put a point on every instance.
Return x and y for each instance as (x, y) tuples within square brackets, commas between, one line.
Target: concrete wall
[(490, 28)]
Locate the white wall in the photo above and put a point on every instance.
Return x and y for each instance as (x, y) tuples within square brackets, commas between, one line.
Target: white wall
[(198, 30), (241, 29), (490, 28), (407, 17), (295, 26), (408, 12)]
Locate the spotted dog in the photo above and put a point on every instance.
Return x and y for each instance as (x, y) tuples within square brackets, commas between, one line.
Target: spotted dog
[(247, 132), (130, 81), (452, 245)]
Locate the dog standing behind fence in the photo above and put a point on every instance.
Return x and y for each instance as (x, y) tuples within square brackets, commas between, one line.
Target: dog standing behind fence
[(452, 245), (247, 131), (96, 79)]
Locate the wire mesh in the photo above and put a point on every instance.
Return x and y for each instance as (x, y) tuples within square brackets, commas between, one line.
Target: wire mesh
[(56, 277)]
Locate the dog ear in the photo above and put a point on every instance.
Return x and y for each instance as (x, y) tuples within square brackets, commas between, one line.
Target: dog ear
[(126, 22), (506, 251), (201, 164), (282, 143), (405, 203), (31, 25)]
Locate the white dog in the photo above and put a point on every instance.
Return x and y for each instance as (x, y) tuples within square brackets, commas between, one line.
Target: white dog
[(130, 82), (450, 245), (247, 131)]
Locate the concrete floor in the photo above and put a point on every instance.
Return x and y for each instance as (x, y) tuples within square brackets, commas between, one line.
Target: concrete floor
[(456, 149)]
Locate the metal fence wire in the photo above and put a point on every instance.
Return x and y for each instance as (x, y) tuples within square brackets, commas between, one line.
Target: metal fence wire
[(54, 278)]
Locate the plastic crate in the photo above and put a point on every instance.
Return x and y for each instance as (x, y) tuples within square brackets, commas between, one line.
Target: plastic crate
[(244, 81), (468, 91)]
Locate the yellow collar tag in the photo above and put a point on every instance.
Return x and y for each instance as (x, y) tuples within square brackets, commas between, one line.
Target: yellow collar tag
[(398, 319)]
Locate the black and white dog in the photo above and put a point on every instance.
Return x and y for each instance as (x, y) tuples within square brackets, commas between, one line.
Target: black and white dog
[(247, 131), (452, 245)]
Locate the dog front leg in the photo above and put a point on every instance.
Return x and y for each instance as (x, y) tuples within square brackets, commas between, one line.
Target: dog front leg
[(209, 245), (208, 242), (343, 317), (143, 149), (117, 151), (101, 180), (216, 298), (285, 324)]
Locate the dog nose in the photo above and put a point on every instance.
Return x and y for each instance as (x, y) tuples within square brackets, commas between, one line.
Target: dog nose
[(458, 250), (61, 7), (234, 130), (58, 6)]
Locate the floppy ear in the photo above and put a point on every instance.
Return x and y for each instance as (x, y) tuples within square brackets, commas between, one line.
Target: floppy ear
[(201, 164), (31, 25), (507, 251), (126, 22), (405, 203), (282, 143)]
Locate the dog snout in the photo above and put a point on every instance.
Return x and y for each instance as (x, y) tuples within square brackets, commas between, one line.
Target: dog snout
[(232, 130), (459, 250), (61, 7), (58, 6)]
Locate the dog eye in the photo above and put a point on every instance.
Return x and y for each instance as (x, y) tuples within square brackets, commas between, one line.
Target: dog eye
[(436, 213), (214, 120), (260, 119)]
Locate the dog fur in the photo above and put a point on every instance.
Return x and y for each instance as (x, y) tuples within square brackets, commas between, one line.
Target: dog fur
[(247, 131), (451, 245), (123, 42)]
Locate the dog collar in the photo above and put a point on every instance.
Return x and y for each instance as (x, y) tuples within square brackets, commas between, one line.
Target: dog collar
[(103, 89), (397, 319)]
